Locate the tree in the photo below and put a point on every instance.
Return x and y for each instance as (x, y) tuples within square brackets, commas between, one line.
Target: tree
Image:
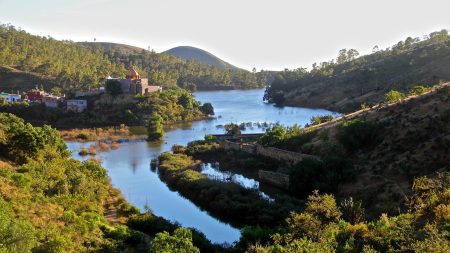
[(155, 128), (207, 109), (315, 120), (179, 242), (232, 129), (393, 96), (352, 54), (113, 87), (272, 136), (342, 56), (375, 49), (417, 90)]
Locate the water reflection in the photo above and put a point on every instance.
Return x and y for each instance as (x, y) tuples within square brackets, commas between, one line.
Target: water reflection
[(213, 172)]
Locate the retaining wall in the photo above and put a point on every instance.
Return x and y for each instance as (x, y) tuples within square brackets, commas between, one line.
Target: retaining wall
[(275, 153), (274, 178)]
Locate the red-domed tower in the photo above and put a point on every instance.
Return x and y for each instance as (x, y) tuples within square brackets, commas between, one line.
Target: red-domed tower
[(132, 74)]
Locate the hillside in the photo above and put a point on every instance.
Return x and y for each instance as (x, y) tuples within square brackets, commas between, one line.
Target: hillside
[(13, 80), (347, 82), (78, 66), (374, 154), (199, 55)]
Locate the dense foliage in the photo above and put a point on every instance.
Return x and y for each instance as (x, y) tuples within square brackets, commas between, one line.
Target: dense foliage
[(325, 226), (57, 202), (21, 142), (73, 65), (290, 138), (51, 203), (347, 82)]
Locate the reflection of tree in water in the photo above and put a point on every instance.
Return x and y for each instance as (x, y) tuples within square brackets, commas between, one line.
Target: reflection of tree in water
[(134, 165)]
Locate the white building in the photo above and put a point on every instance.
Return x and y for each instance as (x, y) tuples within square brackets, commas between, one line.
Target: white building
[(51, 101), (11, 98)]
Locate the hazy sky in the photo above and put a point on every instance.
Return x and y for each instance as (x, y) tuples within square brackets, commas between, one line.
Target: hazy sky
[(248, 33)]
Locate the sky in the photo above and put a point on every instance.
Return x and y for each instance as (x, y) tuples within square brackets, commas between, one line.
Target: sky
[(269, 35)]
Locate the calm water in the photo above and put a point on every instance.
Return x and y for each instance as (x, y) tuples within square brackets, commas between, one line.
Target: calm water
[(129, 166)]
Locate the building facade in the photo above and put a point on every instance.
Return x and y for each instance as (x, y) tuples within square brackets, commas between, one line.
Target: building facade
[(133, 84), (36, 94), (11, 98)]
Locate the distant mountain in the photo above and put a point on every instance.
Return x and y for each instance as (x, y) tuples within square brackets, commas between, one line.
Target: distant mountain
[(200, 55)]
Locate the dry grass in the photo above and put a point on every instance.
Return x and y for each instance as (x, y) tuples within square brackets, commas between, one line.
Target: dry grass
[(88, 151), (97, 134), (103, 146), (115, 145)]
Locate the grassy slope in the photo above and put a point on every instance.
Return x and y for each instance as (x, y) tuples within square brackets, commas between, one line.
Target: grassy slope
[(414, 140), (13, 80)]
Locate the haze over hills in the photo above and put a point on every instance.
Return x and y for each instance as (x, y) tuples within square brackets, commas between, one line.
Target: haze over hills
[(200, 55)]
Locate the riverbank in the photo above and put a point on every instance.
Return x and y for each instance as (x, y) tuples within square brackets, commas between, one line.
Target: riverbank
[(226, 200)]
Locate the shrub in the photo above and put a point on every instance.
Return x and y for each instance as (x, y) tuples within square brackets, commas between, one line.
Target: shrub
[(418, 90), (393, 96), (273, 136), (155, 127), (232, 129), (207, 109), (179, 242), (316, 120)]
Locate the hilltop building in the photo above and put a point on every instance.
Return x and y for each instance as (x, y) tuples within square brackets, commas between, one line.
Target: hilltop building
[(133, 84)]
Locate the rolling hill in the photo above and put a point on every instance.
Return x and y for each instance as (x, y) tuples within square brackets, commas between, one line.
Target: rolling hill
[(344, 85), (200, 55), (122, 48)]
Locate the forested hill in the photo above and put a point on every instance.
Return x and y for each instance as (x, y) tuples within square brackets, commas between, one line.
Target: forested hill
[(347, 82), (76, 66), (202, 56), (171, 71)]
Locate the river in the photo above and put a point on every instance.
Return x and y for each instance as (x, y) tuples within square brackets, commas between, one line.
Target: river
[(129, 166)]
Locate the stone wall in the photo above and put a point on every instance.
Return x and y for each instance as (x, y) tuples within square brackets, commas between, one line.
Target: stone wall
[(274, 178), (275, 153)]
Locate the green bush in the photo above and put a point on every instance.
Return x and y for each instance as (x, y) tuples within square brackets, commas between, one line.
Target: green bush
[(316, 120), (393, 96), (155, 127)]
